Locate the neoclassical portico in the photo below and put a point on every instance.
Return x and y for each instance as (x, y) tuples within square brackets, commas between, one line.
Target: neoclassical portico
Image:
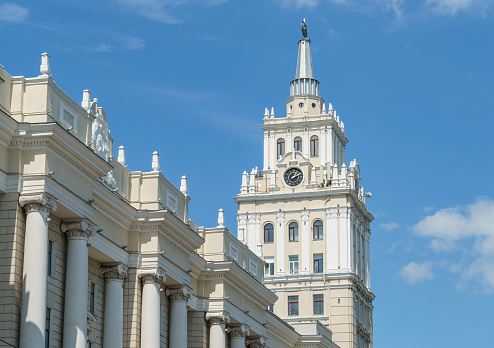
[(34, 275), (76, 282), (178, 315)]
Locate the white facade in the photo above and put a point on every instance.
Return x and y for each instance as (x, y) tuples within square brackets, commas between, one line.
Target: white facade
[(311, 225)]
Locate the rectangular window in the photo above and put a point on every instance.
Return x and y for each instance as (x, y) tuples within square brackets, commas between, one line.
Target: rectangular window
[(270, 308), (268, 233), (52, 258), (50, 253), (269, 267), (318, 263), (293, 264), (92, 299), (48, 328), (318, 304), (292, 305)]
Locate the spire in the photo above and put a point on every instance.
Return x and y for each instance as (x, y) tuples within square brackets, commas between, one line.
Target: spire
[(304, 83)]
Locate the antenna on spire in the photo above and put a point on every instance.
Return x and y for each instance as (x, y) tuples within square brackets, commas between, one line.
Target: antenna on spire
[(303, 25)]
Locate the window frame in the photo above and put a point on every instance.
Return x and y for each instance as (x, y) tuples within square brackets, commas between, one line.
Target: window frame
[(280, 147), (93, 291), (317, 303), (320, 230), (295, 268), (293, 232), (270, 232), (269, 266), (319, 266), (314, 146), (297, 144), (293, 305)]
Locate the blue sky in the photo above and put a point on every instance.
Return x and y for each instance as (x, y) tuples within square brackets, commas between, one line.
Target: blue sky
[(412, 81)]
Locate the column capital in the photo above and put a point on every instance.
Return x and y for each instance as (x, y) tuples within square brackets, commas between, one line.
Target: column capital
[(218, 318), (78, 228), (238, 330), (181, 293), (331, 213), (257, 342), (152, 276), (305, 215), (41, 202), (118, 271)]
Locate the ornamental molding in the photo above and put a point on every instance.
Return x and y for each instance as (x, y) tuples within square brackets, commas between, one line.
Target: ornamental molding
[(331, 213), (39, 203), (280, 218), (114, 272), (254, 218), (151, 276), (344, 212), (78, 228), (257, 342), (242, 219), (218, 318), (240, 330), (182, 293), (305, 216)]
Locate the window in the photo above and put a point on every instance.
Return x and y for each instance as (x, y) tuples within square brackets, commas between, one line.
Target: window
[(293, 232), (50, 253), (318, 304), (92, 299), (270, 308), (268, 233), (269, 267), (317, 229), (314, 146), (297, 144), (292, 305), (281, 147), (293, 264), (318, 263), (48, 328), (233, 252)]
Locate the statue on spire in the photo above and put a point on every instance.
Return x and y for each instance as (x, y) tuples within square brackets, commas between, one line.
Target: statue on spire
[(303, 25)]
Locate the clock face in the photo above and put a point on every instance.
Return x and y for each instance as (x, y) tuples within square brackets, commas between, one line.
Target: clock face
[(293, 176)]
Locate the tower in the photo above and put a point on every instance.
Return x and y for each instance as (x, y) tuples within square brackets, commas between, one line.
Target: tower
[(305, 215)]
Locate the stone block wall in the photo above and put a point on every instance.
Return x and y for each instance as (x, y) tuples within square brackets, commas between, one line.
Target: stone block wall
[(197, 330), (132, 310), (95, 277)]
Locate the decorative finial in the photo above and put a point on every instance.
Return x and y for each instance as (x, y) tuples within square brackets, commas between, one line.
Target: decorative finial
[(221, 218), (183, 185), (44, 68), (303, 25), (121, 155), (156, 162)]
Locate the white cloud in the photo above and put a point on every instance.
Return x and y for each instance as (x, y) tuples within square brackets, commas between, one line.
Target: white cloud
[(388, 227), (465, 232), (158, 10), (452, 7), (416, 272), (10, 12), (396, 6), (299, 3)]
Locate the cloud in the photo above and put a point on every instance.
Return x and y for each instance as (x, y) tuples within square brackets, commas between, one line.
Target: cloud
[(388, 227), (452, 7), (466, 232), (296, 4), (158, 10), (396, 6), (12, 13), (417, 272)]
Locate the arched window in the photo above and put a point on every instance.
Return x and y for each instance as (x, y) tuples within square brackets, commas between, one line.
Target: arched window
[(317, 228), (297, 144), (293, 232), (268, 233), (314, 146), (281, 147)]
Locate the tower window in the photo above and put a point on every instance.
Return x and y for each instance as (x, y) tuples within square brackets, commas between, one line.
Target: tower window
[(313, 105), (293, 232), (297, 144), (268, 233), (318, 304), (281, 147), (317, 228), (318, 263), (314, 146), (293, 264), (292, 305), (301, 105)]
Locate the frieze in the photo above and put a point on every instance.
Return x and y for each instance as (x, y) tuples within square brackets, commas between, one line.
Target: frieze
[(79, 228), (40, 202)]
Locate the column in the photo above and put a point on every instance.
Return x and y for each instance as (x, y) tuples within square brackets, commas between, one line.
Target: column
[(257, 342), (242, 228), (238, 333), (322, 147), (257, 228), (76, 283), (217, 322), (332, 240), (252, 232), (305, 238), (289, 145), (272, 151), (280, 244), (150, 308), (306, 142), (344, 236), (35, 270), (367, 259), (266, 151), (113, 315), (330, 146), (178, 316)]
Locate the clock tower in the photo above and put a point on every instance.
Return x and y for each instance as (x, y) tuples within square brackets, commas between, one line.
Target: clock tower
[(305, 215)]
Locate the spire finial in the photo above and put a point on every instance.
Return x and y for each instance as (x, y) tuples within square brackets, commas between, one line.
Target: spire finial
[(303, 25)]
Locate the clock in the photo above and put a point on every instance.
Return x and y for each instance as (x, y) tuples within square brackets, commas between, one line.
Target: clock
[(293, 176)]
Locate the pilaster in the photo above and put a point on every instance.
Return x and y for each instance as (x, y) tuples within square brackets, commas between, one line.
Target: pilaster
[(305, 269), (280, 243), (332, 239)]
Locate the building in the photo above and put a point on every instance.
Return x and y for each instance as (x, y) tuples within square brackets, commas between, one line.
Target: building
[(93, 254), (305, 215)]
